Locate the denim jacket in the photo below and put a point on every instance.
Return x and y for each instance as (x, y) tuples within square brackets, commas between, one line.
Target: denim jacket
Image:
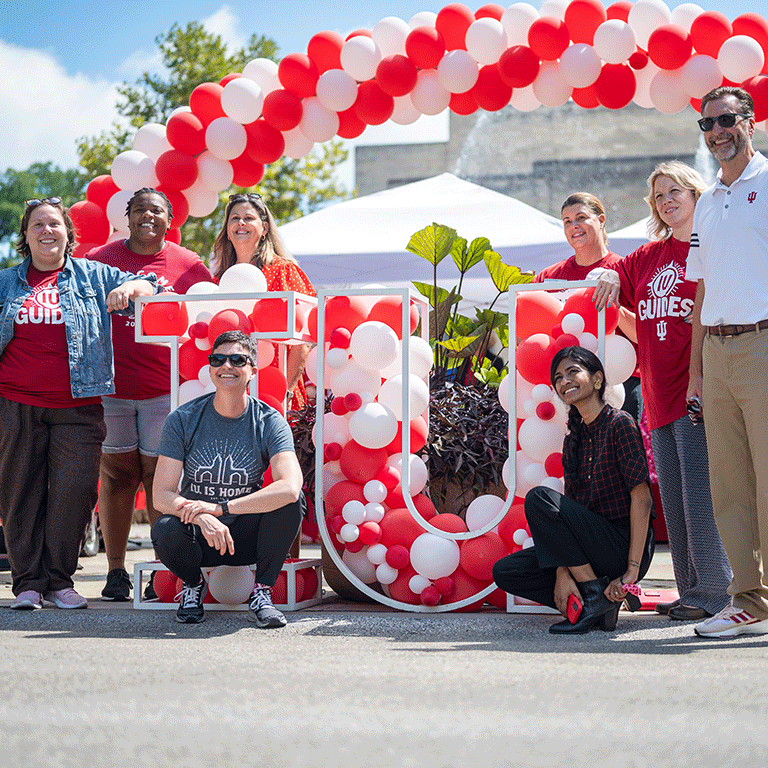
[(83, 289)]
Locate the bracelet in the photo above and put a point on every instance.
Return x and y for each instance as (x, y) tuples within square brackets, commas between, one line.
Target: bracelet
[(633, 562)]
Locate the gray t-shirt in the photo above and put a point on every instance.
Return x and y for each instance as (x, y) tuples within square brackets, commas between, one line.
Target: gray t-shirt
[(223, 458)]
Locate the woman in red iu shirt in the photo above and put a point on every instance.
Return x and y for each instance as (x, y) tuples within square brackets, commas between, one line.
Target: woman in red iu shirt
[(651, 282)]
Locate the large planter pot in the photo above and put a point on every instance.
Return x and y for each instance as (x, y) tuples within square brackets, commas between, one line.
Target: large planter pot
[(450, 496), (338, 582)]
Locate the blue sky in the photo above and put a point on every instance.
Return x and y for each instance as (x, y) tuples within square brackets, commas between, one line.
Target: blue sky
[(61, 59)]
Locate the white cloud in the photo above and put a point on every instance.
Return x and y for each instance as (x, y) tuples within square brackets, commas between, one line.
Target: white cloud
[(226, 24), (140, 62), (44, 110)]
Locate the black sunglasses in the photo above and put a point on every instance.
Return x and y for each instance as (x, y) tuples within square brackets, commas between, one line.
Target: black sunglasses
[(726, 120), (242, 197), (34, 202), (238, 359)]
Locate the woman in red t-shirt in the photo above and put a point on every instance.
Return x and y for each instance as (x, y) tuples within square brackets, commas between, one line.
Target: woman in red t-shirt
[(250, 235), (651, 282)]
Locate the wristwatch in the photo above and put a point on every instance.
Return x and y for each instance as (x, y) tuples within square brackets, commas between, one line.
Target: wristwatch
[(224, 507)]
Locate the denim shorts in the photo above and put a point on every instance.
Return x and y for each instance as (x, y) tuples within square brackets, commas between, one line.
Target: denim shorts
[(133, 424)]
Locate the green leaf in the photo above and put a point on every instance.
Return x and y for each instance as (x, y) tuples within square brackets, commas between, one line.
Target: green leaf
[(432, 243), (439, 319), (428, 290), (490, 319), (504, 275), (472, 255), (458, 344)]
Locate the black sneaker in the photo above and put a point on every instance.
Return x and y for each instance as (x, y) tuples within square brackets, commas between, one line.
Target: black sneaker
[(190, 609), (149, 591), (118, 586), (262, 612)]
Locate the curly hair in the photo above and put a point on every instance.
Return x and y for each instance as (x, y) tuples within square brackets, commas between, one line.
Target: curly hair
[(22, 246), (149, 191)]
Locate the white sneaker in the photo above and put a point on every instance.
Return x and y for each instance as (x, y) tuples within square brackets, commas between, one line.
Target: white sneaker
[(731, 622)]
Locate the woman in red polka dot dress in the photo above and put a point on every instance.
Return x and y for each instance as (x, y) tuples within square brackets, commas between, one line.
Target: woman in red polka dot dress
[(250, 235)]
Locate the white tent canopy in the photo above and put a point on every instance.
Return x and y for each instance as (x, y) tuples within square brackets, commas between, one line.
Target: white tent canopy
[(363, 241), (629, 239)]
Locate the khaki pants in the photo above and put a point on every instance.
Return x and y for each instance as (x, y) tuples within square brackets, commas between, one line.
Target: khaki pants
[(736, 419)]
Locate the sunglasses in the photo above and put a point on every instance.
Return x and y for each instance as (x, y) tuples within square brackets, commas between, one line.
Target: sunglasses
[(34, 202), (237, 360), (245, 197), (727, 120)]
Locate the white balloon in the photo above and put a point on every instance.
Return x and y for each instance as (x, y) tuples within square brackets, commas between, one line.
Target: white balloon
[(433, 556), (524, 99), (482, 510), (549, 87), (310, 366), (243, 278), (336, 90), (116, 206), (519, 536), (523, 392), (231, 584), (132, 170), (418, 473), (535, 474), (202, 201), (457, 71), (517, 20), (263, 72), (374, 491), (417, 584), (503, 393), (529, 407), (242, 100), (620, 359), (336, 358), (420, 358), (581, 65), (486, 40), (203, 344), (572, 323), (354, 378), (359, 57), (428, 95), (225, 138), (505, 472), (555, 483), (374, 512), (189, 390), (349, 532), (297, 145), (685, 14), (373, 425), (541, 393), (614, 41), (391, 394), (588, 341), (667, 93), (213, 172), (318, 123), (360, 565), (528, 543), (390, 34), (386, 574), (374, 345), (643, 79), (422, 19), (354, 512), (204, 375), (645, 16), (179, 110), (740, 57), (151, 140), (539, 438), (376, 554), (335, 430), (615, 395), (404, 113), (554, 8), (699, 75)]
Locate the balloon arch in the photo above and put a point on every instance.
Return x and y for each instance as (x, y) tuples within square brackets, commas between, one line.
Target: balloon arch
[(381, 531)]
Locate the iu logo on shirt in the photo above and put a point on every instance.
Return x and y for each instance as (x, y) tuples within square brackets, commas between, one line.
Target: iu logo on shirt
[(752, 196), (43, 306), (662, 301)]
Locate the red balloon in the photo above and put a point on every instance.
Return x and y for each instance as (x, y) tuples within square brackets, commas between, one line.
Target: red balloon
[(372, 105), (478, 555), (352, 402), (545, 411), (399, 527), (205, 102), (465, 586), (282, 110), (449, 523), (185, 131), (350, 125), (165, 319), (424, 506), (430, 596), (340, 312), (173, 236), (548, 37), (324, 49), (100, 190), (247, 171), (638, 60), (272, 315), (271, 400), (463, 103), (513, 521), (331, 452), (583, 17), (265, 143), (191, 360), (297, 73), (340, 493), (229, 78), (396, 75), (519, 66), (337, 522), (425, 47), (615, 86), (585, 97), (619, 10), (198, 330), (398, 557), (566, 340), (490, 91), (755, 26), (557, 331), (165, 584), (580, 302), (389, 476), (358, 33), (370, 533), (498, 599), (176, 170), (280, 588), (536, 312), (709, 30), (361, 464), (444, 585), (81, 249), (399, 589), (338, 406), (669, 46), (452, 23), (419, 431), (757, 87), (340, 338), (91, 223), (534, 356), (553, 465), (310, 583), (389, 310), (490, 11), (395, 498), (178, 203), (272, 382), (228, 320)]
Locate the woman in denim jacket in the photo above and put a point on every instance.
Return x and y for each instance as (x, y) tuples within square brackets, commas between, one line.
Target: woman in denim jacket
[(55, 363)]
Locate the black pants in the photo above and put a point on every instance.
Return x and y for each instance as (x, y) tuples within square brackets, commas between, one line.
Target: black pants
[(565, 534), (633, 398), (262, 539)]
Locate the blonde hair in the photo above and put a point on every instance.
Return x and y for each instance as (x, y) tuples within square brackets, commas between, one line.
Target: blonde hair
[(683, 175), (270, 248), (590, 201)]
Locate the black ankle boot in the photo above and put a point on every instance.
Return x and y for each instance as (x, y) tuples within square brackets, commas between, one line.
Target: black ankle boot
[(598, 609)]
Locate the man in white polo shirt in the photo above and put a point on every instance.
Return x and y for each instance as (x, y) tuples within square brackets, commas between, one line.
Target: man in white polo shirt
[(729, 352)]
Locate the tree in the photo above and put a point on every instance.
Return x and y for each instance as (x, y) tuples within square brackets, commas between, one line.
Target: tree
[(192, 56)]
